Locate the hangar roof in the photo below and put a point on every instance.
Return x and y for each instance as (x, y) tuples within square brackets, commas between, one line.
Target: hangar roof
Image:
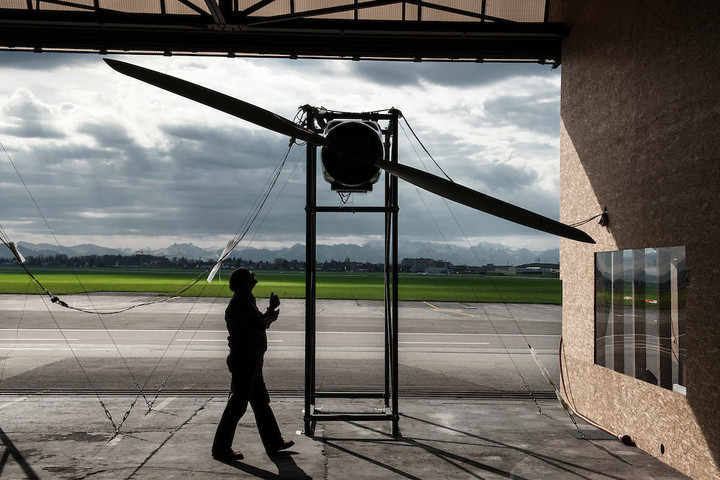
[(418, 30)]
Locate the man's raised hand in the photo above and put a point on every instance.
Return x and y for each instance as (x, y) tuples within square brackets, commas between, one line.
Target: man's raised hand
[(274, 301)]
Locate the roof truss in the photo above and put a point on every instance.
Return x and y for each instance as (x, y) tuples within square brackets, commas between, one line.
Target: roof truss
[(438, 30)]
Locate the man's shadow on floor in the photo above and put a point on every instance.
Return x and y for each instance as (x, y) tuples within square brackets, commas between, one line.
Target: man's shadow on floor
[(286, 466)]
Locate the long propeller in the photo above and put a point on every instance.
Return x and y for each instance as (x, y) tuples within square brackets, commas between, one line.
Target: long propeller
[(219, 101), (432, 183)]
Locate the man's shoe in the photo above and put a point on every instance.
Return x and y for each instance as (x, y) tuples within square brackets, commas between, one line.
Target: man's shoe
[(229, 456), (283, 446)]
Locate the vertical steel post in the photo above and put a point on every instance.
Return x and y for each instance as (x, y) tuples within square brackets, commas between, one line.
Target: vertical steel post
[(310, 271), (395, 323), (390, 209), (387, 273)]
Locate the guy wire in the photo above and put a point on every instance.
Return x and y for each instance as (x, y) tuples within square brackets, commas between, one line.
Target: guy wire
[(270, 185), (55, 299), (517, 325), (239, 236)]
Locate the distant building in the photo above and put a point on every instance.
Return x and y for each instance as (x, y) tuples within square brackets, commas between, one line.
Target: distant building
[(424, 265), (468, 269), (537, 270), (500, 269)]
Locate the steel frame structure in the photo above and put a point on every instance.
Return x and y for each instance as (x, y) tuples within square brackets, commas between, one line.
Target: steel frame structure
[(416, 30), (390, 210)]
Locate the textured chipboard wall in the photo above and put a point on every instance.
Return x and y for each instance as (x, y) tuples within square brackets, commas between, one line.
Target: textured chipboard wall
[(640, 135)]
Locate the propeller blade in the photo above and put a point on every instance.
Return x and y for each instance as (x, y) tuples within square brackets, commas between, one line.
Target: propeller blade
[(271, 121), (219, 101), (480, 201)]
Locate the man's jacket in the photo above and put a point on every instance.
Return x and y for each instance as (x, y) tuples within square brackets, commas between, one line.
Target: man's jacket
[(245, 326)]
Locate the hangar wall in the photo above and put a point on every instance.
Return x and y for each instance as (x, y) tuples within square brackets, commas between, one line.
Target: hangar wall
[(640, 135)]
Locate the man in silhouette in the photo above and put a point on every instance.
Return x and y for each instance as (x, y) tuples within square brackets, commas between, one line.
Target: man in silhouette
[(248, 342)]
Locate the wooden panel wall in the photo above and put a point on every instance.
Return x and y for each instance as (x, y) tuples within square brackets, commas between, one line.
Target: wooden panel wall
[(640, 135)]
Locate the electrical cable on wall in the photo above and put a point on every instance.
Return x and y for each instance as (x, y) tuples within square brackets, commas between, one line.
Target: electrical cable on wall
[(603, 222), (570, 400)]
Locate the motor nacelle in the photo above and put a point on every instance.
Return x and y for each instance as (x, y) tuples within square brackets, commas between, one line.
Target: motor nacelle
[(357, 173)]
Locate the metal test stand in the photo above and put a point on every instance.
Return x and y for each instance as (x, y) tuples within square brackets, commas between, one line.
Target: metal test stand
[(390, 210)]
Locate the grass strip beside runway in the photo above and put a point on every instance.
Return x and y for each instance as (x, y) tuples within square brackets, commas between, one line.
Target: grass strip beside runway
[(330, 285)]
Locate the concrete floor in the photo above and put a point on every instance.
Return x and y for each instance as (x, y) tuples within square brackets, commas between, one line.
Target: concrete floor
[(56, 436)]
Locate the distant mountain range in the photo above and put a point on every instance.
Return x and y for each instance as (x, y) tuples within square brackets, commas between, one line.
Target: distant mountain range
[(480, 254)]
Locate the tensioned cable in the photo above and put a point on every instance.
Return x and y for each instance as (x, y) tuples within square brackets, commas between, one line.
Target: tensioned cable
[(424, 148), (82, 369), (542, 368), (141, 389), (602, 216), (492, 324), (259, 203), (55, 299), (150, 403), (17, 331), (247, 224), (13, 248), (487, 314), (300, 118), (242, 231), (6, 240), (47, 225), (239, 236), (272, 205), (254, 212)]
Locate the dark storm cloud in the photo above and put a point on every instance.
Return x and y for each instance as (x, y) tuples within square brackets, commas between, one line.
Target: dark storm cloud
[(102, 178), (194, 183), (121, 153), (204, 147), (504, 178), (215, 190), (109, 134), (200, 180), (422, 215), (113, 157), (83, 170), (466, 163), (32, 129), (531, 113), (42, 61), (450, 74), (42, 159), (446, 149)]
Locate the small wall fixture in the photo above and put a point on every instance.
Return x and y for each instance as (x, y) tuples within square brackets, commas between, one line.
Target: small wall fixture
[(604, 219)]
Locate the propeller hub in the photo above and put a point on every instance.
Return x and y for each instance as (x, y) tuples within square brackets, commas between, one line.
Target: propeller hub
[(354, 171)]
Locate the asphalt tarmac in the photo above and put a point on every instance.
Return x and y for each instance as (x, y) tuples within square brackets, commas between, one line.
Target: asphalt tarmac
[(69, 406), (181, 345)]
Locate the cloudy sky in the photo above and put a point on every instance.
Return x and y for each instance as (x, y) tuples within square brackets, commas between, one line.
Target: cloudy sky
[(112, 161)]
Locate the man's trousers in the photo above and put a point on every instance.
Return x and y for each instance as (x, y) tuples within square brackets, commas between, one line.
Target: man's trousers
[(247, 386)]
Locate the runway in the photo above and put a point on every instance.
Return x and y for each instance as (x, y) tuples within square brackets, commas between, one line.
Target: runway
[(180, 345)]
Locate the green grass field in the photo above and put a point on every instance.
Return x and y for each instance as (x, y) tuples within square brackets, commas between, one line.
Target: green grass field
[(330, 285)]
